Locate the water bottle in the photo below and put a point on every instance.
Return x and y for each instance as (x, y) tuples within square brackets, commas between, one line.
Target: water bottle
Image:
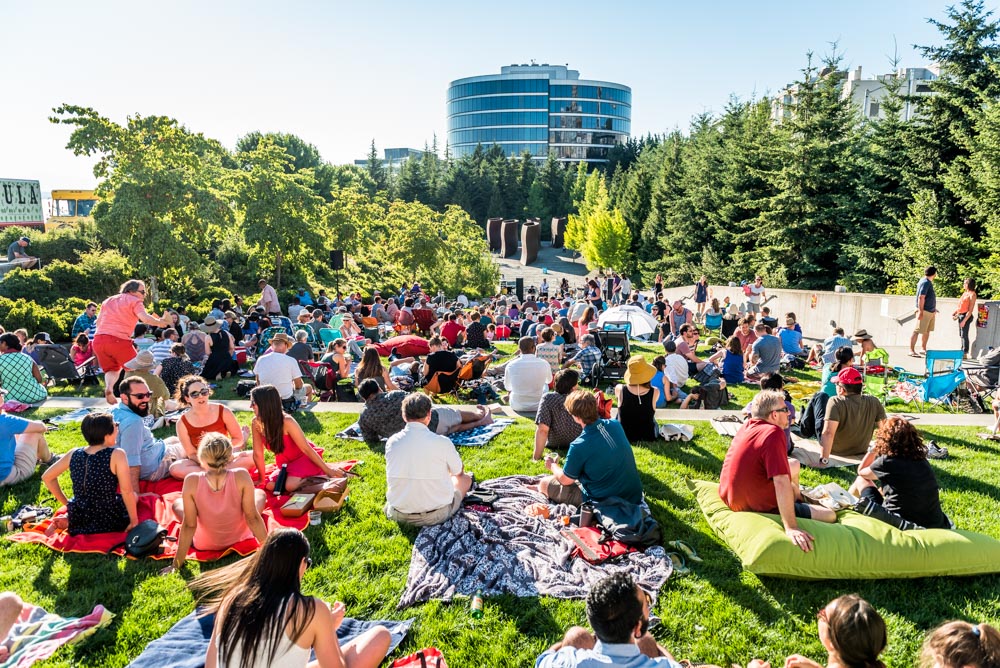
[(279, 484), (476, 605)]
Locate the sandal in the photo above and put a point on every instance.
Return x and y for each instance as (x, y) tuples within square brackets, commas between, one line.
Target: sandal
[(686, 549), (677, 562)]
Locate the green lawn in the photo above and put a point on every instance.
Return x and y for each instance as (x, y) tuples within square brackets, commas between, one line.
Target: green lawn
[(717, 614)]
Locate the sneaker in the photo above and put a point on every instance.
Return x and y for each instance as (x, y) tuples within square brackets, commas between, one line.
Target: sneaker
[(935, 452)]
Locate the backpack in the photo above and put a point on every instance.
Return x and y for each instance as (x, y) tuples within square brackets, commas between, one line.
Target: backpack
[(714, 396), (244, 387), (627, 522), (590, 545)]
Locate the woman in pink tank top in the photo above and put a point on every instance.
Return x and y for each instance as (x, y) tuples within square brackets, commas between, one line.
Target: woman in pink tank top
[(219, 506)]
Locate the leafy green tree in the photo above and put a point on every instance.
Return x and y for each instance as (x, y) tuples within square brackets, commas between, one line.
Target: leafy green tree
[(278, 208), (609, 241), (413, 185), (304, 156), (548, 196), (162, 189)]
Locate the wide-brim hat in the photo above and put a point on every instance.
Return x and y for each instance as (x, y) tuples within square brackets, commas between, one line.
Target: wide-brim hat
[(210, 325), (639, 371), (144, 361), (281, 337), (862, 335)]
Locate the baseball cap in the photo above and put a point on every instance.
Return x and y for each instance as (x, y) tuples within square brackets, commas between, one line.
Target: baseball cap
[(849, 376), (25, 240)]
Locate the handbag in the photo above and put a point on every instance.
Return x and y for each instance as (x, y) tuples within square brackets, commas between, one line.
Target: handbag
[(145, 540), (590, 544), (429, 657)]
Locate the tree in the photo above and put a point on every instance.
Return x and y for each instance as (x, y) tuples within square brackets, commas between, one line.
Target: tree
[(278, 207), (376, 170), (304, 156), (162, 190), (609, 241)]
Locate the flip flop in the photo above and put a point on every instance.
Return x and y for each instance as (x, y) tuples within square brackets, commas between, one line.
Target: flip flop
[(677, 561), (914, 354), (686, 549)]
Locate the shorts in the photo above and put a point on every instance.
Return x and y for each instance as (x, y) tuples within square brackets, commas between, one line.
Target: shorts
[(569, 494), (926, 324), (25, 459), (753, 308), (429, 517), (112, 352), (448, 419), (172, 451), (802, 510)]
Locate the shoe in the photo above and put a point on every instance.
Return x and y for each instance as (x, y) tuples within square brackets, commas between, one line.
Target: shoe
[(936, 452)]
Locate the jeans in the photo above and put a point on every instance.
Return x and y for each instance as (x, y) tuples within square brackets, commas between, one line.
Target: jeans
[(963, 332)]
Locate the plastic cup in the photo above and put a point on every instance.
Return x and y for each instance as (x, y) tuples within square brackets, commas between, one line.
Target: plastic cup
[(315, 517)]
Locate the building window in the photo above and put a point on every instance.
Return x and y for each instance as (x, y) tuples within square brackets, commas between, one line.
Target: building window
[(873, 110)]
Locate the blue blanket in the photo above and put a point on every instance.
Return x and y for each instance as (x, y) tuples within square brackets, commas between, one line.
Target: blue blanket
[(476, 437), (186, 643)]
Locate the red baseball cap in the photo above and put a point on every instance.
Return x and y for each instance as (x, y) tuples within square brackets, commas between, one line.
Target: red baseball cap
[(849, 376)]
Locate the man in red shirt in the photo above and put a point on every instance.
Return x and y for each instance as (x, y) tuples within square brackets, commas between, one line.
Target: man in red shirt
[(451, 329), (758, 476)]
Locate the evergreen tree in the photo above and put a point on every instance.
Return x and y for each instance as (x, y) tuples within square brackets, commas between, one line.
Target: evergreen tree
[(376, 170)]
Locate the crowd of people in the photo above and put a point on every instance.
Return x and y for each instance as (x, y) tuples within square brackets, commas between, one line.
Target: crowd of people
[(263, 619)]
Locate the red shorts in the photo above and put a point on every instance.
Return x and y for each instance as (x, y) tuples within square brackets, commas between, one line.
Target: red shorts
[(112, 352)]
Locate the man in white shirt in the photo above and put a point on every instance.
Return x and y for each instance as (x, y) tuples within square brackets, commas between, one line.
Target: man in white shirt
[(425, 479), (278, 369), (626, 289), (676, 370), (527, 377)]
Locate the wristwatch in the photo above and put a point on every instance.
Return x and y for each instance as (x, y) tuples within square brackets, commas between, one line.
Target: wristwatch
[(824, 460)]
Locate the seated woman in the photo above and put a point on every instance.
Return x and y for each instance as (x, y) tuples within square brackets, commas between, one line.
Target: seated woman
[(175, 367), (960, 644), (219, 506), (19, 374), (204, 417), (730, 360), (336, 356), (895, 482), (97, 472), (660, 381), (844, 357), (587, 320), (852, 632), (263, 619), (281, 434), (636, 401), (371, 367)]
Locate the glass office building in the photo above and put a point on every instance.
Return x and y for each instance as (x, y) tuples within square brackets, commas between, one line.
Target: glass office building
[(541, 109)]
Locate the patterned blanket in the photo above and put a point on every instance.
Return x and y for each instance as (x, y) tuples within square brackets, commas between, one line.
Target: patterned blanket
[(508, 552), (476, 437), (37, 634)]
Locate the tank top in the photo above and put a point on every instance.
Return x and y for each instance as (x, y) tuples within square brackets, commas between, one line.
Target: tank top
[(287, 655), (195, 433), (221, 523), (636, 414)]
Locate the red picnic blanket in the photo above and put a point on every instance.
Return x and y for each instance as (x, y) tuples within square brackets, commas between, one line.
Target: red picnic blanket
[(155, 499)]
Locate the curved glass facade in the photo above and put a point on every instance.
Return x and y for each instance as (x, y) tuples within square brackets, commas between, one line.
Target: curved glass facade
[(541, 109)]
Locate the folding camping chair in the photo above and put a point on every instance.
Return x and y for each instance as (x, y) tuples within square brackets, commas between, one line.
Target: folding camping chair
[(983, 377), (58, 365), (424, 319), (284, 322), (310, 332), (712, 323), (264, 340), (943, 376)]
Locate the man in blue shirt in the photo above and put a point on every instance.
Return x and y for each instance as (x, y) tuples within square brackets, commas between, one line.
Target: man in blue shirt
[(586, 358), (22, 446), (149, 458), (926, 308), (600, 463), (791, 340), (86, 321), (618, 610)]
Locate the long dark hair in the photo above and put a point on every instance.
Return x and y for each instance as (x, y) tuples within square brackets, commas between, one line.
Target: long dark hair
[(843, 355), (258, 598), (371, 365), (568, 333), (857, 632), (270, 416)]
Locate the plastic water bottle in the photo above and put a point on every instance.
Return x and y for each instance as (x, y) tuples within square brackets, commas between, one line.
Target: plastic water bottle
[(476, 605)]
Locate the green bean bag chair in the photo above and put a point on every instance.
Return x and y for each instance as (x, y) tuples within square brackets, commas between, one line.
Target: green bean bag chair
[(856, 546)]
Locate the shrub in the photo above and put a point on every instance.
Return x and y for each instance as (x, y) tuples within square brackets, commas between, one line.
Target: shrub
[(34, 318), (30, 285), (66, 243)]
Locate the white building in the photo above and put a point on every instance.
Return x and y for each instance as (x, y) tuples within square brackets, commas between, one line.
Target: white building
[(866, 94)]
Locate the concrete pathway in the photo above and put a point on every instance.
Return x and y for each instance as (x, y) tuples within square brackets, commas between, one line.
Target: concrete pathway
[(666, 415)]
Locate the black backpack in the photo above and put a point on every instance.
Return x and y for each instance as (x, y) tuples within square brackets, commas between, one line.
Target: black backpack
[(627, 522)]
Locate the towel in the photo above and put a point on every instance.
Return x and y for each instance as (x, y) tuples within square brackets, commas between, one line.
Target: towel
[(37, 634)]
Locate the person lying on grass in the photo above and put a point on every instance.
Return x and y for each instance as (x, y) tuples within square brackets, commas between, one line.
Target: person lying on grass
[(219, 506), (758, 476), (263, 619), (279, 433)]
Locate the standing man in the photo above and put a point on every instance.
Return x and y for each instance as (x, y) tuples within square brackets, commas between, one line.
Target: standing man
[(15, 253), (757, 475), (268, 298), (926, 308), (425, 479), (625, 290)]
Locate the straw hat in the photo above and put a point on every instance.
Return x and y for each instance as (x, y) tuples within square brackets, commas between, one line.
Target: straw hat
[(639, 371), (144, 361), (210, 325)]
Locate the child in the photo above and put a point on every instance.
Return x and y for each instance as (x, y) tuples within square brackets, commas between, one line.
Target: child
[(81, 350)]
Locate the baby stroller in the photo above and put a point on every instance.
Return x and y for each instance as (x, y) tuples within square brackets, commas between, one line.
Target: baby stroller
[(58, 365), (614, 356)]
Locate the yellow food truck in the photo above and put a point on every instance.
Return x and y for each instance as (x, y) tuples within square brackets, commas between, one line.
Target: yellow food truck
[(70, 207)]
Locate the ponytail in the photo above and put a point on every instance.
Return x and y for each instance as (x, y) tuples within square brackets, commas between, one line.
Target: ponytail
[(958, 644)]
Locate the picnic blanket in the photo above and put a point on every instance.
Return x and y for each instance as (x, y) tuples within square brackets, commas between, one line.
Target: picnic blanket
[(154, 503), (186, 643), (808, 451), (37, 634), (728, 425), (477, 437), (508, 552)]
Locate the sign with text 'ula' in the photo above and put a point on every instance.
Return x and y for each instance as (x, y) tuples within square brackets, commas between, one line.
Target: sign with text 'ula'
[(21, 203)]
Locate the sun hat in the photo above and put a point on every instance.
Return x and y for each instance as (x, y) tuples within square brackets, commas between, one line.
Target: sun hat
[(144, 361), (210, 325), (230, 315), (281, 337), (639, 371), (849, 376), (862, 335)]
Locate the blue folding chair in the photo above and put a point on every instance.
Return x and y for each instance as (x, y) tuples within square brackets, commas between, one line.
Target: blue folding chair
[(618, 327), (713, 322), (942, 376)]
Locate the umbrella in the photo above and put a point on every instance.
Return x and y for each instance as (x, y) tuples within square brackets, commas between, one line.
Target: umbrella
[(643, 324)]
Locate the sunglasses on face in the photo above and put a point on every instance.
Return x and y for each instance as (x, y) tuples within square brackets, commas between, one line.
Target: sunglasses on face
[(780, 410), (141, 395), (194, 394)]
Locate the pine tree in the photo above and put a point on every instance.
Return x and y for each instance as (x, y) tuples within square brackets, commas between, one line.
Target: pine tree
[(376, 170)]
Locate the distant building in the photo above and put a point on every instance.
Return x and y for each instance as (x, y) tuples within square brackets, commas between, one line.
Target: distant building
[(393, 158), (865, 94), (540, 109)]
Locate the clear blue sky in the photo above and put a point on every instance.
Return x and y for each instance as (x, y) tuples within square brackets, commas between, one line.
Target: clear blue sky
[(341, 73)]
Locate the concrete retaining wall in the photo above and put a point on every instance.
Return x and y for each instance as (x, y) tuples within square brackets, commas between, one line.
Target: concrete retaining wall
[(851, 310)]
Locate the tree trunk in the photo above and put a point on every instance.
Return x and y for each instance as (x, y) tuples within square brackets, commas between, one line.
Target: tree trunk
[(154, 291), (277, 270)]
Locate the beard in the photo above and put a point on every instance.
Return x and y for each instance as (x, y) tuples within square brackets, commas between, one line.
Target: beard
[(142, 410), (645, 627)]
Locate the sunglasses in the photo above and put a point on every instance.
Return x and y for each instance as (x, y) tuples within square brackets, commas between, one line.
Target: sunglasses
[(780, 410), (194, 394), (141, 395)]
